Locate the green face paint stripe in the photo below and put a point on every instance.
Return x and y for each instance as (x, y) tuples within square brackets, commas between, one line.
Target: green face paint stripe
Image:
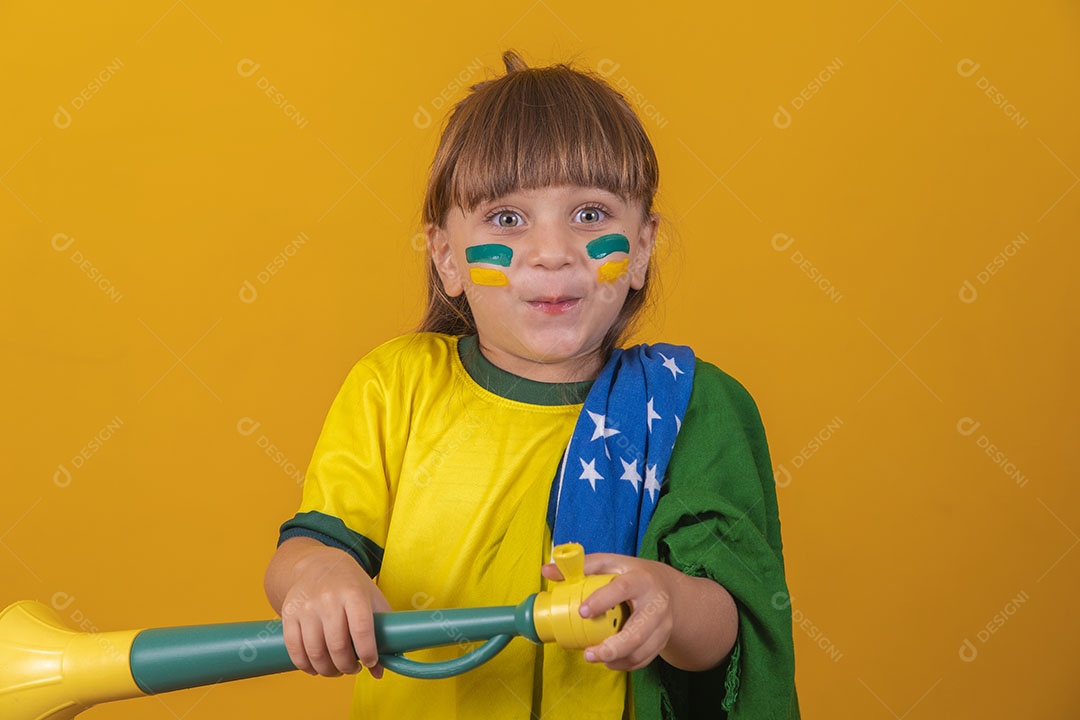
[(492, 254), (604, 245)]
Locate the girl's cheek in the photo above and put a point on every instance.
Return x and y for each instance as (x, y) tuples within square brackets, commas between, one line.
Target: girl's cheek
[(488, 276), (613, 270), (603, 246), (497, 254)]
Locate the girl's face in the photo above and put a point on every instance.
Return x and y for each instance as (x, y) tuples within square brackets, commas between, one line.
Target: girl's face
[(545, 272)]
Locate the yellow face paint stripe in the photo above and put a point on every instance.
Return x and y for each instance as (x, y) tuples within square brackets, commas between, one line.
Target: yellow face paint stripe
[(488, 276), (612, 271)]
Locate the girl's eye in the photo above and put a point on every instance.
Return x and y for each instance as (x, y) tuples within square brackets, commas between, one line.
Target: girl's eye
[(591, 214), (505, 218)]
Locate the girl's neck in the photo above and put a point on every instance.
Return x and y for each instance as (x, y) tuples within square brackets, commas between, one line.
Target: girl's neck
[(571, 370), (514, 387)]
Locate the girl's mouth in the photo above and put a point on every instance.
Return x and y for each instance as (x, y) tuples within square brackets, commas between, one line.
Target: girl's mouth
[(555, 306)]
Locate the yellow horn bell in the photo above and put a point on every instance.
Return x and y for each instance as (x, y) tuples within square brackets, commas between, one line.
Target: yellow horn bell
[(52, 672)]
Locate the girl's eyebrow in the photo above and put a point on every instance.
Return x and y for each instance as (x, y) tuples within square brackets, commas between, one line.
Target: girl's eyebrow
[(520, 197)]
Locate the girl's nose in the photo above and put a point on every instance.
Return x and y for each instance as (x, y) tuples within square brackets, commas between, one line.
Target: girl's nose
[(551, 248)]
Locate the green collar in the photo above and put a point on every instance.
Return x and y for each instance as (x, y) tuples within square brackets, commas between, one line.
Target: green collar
[(495, 379)]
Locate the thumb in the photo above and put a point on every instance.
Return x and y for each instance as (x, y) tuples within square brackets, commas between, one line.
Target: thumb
[(551, 572)]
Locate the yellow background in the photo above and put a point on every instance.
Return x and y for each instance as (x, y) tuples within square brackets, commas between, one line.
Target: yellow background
[(898, 180)]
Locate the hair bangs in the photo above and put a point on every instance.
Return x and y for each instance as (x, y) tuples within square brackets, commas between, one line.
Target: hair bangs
[(544, 129)]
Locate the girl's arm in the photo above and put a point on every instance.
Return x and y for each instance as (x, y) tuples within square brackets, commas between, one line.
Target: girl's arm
[(690, 622), (326, 601)]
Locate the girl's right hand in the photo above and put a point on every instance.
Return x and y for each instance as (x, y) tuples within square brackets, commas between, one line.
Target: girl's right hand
[(326, 613)]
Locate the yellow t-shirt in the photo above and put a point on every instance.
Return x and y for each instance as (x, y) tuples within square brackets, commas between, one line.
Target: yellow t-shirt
[(442, 487)]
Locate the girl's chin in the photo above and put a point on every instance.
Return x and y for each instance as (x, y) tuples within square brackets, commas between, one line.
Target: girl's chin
[(558, 350)]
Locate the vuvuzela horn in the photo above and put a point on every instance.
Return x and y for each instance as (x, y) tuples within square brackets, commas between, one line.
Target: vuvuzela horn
[(50, 672)]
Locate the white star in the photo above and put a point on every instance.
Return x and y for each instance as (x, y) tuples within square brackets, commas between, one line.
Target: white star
[(651, 486), (678, 424), (630, 473), (653, 415), (669, 363), (601, 430), (588, 472)]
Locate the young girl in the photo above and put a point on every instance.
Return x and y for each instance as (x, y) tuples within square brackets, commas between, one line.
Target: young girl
[(453, 458)]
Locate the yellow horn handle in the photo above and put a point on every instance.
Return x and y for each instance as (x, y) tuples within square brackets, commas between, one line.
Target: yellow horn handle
[(52, 672), (555, 612)]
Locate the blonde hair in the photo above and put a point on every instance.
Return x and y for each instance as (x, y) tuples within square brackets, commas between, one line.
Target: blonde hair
[(535, 128)]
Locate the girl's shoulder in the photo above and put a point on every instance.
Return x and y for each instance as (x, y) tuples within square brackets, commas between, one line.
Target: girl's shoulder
[(712, 377), (717, 390), (410, 353), (413, 342)]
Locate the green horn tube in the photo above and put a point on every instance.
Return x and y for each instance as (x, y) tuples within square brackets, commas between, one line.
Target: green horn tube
[(167, 659), (49, 671)]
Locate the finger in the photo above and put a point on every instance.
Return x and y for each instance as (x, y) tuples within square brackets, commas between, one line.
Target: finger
[(315, 647), (339, 643), (623, 588), (642, 655), (379, 604), (608, 563), (630, 652), (362, 631), (611, 652), (644, 626), (294, 644)]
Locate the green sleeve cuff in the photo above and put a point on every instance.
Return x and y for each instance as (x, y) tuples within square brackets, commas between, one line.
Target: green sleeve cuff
[(332, 531)]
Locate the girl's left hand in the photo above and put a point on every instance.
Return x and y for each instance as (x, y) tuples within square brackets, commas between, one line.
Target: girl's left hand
[(650, 588)]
